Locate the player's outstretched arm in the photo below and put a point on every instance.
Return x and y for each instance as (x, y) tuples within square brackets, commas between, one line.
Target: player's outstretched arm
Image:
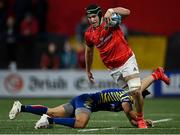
[(132, 116), (89, 59)]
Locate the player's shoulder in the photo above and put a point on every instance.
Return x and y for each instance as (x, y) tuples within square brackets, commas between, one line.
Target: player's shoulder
[(88, 32)]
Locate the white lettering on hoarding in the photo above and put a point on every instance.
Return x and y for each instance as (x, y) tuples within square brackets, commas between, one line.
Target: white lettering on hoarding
[(36, 83)]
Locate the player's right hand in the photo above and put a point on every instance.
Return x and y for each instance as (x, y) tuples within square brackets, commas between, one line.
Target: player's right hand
[(90, 77), (107, 16)]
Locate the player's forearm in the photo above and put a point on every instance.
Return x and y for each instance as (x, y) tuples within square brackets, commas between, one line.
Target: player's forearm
[(120, 10), (88, 59), (132, 118)]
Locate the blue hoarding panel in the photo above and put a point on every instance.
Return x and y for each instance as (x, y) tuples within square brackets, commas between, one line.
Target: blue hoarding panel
[(172, 90)]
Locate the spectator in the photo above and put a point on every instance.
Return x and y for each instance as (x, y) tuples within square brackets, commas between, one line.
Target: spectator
[(10, 38), (68, 56), (29, 26), (28, 30), (124, 30), (81, 57), (80, 29), (50, 58), (21, 7), (3, 9), (40, 11)]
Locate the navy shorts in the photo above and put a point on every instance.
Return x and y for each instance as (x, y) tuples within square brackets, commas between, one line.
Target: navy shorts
[(82, 101)]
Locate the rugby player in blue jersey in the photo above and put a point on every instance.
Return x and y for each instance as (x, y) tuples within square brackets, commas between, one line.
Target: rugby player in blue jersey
[(76, 113)]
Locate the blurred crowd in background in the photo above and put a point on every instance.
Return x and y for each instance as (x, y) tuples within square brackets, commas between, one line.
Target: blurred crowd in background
[(26, 44)]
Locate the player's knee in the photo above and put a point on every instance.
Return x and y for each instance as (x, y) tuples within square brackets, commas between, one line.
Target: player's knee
[(135, 86), (136, 91), (82, 117), (79, 123)]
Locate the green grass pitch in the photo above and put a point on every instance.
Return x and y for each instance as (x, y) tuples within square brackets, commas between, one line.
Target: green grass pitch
[(100, 122)]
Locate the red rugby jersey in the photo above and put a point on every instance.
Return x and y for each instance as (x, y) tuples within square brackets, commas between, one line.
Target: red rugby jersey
[(113, 48)]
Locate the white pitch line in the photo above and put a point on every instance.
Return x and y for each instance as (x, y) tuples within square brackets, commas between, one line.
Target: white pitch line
[(97, 129), (162, 120)]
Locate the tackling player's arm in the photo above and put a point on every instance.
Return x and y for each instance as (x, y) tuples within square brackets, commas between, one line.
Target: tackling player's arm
[(89, 51), (132, 116)]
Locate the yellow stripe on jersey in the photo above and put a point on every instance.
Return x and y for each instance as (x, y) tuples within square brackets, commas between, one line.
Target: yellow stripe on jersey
[(112, 96)]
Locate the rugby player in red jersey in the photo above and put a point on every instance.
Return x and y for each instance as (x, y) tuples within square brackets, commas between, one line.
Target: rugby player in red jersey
[(115, 53)]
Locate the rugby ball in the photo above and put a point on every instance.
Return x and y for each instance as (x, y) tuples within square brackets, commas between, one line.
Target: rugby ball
[(115, 19)]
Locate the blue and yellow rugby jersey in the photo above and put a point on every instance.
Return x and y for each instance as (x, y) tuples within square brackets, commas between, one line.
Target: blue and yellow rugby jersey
[(105, 100)]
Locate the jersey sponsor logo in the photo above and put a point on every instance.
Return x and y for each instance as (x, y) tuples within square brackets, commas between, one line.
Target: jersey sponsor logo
[(103, 40)]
